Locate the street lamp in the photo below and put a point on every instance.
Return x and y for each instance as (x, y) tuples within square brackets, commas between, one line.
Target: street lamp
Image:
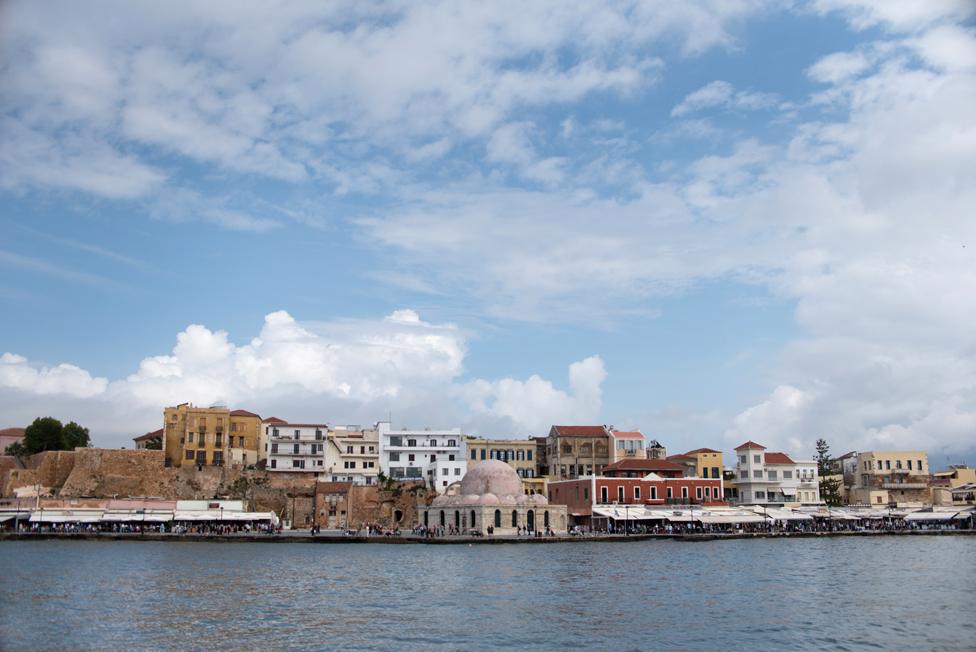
[(626, 519)]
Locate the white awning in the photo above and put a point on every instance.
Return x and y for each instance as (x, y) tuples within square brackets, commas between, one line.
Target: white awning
[(788, 491), (65, 516), (930, 516), (6, 517), (730, 519), (619, 513)]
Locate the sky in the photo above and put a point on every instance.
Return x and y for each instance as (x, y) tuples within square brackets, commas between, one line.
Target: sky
[(713, 221)]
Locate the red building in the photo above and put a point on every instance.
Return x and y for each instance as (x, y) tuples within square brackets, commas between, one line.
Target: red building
[(638, 468), (581, 495)]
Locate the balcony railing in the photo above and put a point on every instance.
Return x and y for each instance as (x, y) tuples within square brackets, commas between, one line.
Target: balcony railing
[(904, 485)]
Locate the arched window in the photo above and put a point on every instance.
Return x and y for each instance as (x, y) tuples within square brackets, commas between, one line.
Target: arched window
[(442, 518), (498, 518), (457, 519), (514, 518), (545, 518), (426, 518), (472, 523), (530, 520)]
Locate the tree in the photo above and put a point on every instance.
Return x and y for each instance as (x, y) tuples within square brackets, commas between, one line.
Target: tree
[(829, 486), (44, 434), (16, 449), (157, 445), (74, 436), (47, 434)]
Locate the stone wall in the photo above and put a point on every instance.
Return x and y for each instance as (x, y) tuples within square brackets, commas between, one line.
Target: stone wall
[(371, 504)]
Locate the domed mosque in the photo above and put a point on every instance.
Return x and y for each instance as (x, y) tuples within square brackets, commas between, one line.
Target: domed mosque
[(490, 494)]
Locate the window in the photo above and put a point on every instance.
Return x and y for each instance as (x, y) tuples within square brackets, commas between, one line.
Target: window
[(757, 474), (898, 464), (586, 494), (274, 449), (483, 453), (760, 495), (443, 471), (528, 456), (887, 465), (189, 455), (457, 471), (670, 492), (318, 434), (449, 457), (411, 442), (637, 493), (295, 447), (743, 474), (433, 458), (411, 457), (757, 459), (684, 492), (352, 464), (297, 434), (274, 463), (698, 493), (514, 518), (362, 450), (716, 473), (294, 464), (771, 475), (452, 443), (398, 441), (604, 495), (919, 465), (394, 457), (474, 454), (742, 459), (498, 518), (787, 475), (909, 465)]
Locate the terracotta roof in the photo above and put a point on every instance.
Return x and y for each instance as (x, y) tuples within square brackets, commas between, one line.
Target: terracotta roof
[(702, 450), (777, 458), (686, 456), (750, 444), (244, 413), (304, 425), (16, 432), (580, 431), (274, 420), (621, 434), (638, 464), (149, 435)]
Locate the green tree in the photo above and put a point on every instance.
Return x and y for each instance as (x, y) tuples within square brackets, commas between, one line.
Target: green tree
[(155, 445), (829, 486), (44, 434), (74, 436), (16, 449)]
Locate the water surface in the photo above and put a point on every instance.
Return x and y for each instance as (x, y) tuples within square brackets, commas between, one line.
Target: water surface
[(838, 594)]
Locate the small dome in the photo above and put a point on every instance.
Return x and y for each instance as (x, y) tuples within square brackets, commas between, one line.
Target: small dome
[(440, 501), (491, 477), (488, 499), (470, 499), (538, 499), (521, 499)]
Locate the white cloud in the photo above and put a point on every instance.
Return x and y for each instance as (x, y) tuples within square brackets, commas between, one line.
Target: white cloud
[(535, 404), (838, 67), (722, 94), (899, 15), (18, 374), (345, 369)]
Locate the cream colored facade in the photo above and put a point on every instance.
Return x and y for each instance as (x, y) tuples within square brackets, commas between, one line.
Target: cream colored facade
[(890, 477), (520, 454), (210, 436), (352, 455), (708, 462)]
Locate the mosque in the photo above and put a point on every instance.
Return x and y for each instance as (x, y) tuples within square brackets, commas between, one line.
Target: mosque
[(490, 494)]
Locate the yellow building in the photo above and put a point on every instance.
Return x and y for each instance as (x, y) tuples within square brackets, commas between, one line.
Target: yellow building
[(708, 462), (520, 454), (210, 436), (890, 477)]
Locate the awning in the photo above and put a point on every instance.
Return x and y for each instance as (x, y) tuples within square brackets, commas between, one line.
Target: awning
[(6, 517), (619, 513), (930, 516), (65, 516), (787, 515), (730, 519), (788, 491)]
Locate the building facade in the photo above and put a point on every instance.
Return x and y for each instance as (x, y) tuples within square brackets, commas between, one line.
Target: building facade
[(438, 457), (296, 447), (774, 478), (352, 455), (520, 454), (656, 451), (210, 436), (151, 440), (10, 436), (626, 444), (890, 478), (575, 451)]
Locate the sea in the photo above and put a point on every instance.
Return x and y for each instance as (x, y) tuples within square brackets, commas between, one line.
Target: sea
[(857, 593)]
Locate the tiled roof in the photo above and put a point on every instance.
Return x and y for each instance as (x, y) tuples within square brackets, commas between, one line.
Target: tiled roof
[(303, 425), (702, 450), (16, 432), (682, 457), (633, 434), (149, 435), (274, 420), (750, 444), (777, 458), (244, 413), (580, 431), (638, 464)]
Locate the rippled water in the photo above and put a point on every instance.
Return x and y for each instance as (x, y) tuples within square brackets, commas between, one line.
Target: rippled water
[(844, 594)]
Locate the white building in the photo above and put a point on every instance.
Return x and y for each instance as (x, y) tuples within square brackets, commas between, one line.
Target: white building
[(352, 455), (296, 447), (435, 456), (764, 478)]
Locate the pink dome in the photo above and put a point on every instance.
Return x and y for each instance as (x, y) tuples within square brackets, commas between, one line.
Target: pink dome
[(491, 477), (488, 499)]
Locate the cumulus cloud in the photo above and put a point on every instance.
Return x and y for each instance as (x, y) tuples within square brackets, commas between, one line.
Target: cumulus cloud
[(535, 404), (342, 369)]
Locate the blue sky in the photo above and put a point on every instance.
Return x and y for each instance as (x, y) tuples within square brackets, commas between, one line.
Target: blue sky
[(712, 221)]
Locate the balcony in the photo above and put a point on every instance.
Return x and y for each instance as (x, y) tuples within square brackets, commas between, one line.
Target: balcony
[(904, 485), (901, 471)]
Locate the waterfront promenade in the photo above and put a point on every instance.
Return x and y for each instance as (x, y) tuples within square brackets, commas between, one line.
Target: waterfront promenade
[(300, 536)]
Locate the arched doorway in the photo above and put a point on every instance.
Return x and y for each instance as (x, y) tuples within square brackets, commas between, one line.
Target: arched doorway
[(530, 520), (545, 518), (457, 520), (442, 518), (397, 515), (514, 518), (426, 518), (472, 522), (498, 518)]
